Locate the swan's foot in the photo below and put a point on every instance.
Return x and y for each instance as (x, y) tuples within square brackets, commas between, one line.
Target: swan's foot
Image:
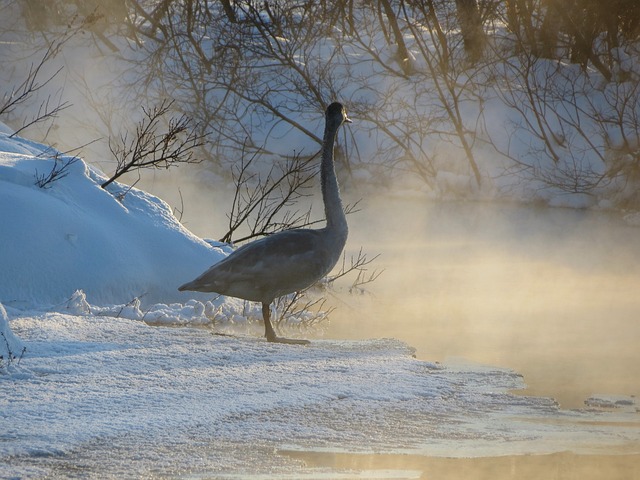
[(270, 333), (289, 341)]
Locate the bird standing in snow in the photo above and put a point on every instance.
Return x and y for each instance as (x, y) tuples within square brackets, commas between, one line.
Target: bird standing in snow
[(291, 260)]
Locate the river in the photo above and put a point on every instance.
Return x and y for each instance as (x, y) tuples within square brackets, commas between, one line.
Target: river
[(551, 293)]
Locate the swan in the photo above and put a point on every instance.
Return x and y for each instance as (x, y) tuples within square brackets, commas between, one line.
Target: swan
[(290, 260)]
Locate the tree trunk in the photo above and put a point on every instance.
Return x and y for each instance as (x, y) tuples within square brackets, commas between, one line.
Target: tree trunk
[(471, 28), (403, 53), (229, 11)]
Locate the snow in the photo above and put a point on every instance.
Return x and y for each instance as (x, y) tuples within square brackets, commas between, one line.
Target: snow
[(121, 397), (11, 348), (72, 234)]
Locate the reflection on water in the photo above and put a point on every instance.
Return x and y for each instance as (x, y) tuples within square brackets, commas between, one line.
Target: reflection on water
[(559, 466), (551, 293)]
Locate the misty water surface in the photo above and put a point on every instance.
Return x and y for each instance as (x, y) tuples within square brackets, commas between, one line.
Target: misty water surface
[(551, 293)]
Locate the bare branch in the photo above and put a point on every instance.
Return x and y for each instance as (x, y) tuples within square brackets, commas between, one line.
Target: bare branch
[(152, 149), (358, 264), (31, 85), (260, 202), (59, 170)]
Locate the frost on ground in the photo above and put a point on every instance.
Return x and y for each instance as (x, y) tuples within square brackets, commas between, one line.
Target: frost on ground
[(112, 396), (11, 348)]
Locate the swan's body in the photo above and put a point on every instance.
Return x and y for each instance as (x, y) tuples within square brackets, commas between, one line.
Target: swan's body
[(291, 260)]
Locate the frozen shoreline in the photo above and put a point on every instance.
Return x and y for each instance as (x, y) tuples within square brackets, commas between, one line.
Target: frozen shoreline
[(562, 465), (99, 396)]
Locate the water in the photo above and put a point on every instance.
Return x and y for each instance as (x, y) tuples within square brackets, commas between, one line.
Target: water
[(550, 293)]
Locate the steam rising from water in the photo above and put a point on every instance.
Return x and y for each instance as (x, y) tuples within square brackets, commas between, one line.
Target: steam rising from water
[(550, 293)]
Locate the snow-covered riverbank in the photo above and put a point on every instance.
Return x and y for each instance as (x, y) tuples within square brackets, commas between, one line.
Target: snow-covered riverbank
[(101, 396)]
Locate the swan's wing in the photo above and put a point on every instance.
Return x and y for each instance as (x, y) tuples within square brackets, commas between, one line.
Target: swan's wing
[(272, 266)]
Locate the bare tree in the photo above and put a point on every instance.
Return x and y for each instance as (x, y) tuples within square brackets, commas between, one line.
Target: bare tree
[(402, 55), (249, 71), (470, 23), (454, 84), (585, 32), (236, 78), (265, 200), (581, 137)]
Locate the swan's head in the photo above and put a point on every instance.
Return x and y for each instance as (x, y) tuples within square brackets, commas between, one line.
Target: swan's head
[(337, 114)]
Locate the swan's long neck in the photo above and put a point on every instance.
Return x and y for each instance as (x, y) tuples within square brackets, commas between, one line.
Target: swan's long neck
[(333, 210)]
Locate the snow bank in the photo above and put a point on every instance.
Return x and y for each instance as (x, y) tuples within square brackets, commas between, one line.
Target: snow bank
[(71, 234), (11, 349), (72, 247)]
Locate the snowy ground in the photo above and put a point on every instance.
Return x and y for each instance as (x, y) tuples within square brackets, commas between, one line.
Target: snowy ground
[(102, 396)]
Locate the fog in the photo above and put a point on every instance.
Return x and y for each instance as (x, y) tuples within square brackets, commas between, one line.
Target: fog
[(551, 293)]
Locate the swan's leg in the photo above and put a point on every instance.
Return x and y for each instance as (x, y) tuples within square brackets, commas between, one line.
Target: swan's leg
[(268, 328), (271, 334)]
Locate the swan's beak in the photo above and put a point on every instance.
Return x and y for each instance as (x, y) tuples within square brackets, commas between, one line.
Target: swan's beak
[(347, 120)]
